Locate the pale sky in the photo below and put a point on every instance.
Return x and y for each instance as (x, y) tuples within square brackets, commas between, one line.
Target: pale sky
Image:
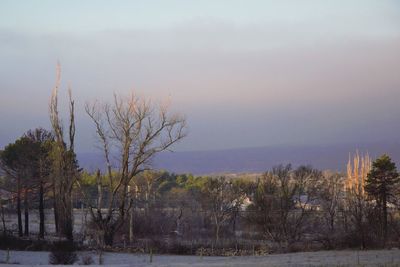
[(245, 73)]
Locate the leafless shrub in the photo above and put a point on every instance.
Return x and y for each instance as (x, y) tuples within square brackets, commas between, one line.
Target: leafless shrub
[(87, 260), (63, 252)]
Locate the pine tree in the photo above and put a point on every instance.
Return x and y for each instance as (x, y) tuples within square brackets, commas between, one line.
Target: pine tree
[(381, 184)]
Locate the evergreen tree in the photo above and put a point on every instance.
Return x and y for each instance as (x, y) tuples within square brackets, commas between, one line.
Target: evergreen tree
[(381, 184)]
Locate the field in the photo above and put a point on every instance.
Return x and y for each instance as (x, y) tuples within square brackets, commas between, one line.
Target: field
[(80, 217), (322, 258)]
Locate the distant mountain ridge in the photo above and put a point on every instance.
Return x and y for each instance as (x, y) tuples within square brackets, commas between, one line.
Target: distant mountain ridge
[(256, 160)]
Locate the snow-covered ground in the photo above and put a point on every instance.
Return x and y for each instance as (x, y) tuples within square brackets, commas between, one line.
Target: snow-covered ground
[(80, 217), (322, 258)]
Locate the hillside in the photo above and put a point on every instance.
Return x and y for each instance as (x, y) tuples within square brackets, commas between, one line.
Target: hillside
[(255, 160)]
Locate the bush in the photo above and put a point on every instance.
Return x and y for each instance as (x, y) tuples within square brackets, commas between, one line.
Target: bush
[(63, 252), (17, 243), (87, 260)]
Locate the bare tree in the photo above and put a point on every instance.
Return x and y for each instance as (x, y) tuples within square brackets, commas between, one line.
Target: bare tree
[(330, 192), (219, 197), (356, 205), (284, 202), (136, 131), (330, 195), (65, 167)]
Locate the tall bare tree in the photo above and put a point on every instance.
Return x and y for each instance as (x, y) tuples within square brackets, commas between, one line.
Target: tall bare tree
[(357, 173), (133, 130), (65, 166), (356, 204)]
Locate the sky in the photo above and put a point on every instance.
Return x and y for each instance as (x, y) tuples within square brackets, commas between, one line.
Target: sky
[(244, 73)]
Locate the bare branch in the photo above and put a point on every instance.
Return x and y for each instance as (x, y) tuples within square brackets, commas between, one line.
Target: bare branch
[(139, 131)]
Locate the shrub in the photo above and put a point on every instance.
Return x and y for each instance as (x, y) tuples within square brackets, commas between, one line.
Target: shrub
[(87, 260), (63, 252), (17, 243)]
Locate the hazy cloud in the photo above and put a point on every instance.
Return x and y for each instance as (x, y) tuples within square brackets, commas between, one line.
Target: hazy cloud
[(317, 73)]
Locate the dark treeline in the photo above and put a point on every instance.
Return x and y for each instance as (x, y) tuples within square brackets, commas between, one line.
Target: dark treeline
[(284, 209)]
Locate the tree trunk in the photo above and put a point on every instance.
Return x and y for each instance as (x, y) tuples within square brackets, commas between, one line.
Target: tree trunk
[(108, 237), (19, 208), (131, 221), (65, 217), (360, 224), (3, 221), (41, 211), (217, 225), (234, 222), (217, 234), (363, 244), (385, 215), (55, 206), (26, 212), (332, 222)]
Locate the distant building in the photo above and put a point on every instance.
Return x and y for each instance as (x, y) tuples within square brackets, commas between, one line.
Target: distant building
[(304, 202)]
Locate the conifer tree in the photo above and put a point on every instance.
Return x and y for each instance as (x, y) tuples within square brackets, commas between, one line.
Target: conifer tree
[(381, 184)]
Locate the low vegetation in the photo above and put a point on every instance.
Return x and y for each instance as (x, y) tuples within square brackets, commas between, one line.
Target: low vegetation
[(63, 252)]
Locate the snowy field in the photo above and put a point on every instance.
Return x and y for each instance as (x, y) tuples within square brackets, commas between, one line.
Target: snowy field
[(80, 217), (322, 258)]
